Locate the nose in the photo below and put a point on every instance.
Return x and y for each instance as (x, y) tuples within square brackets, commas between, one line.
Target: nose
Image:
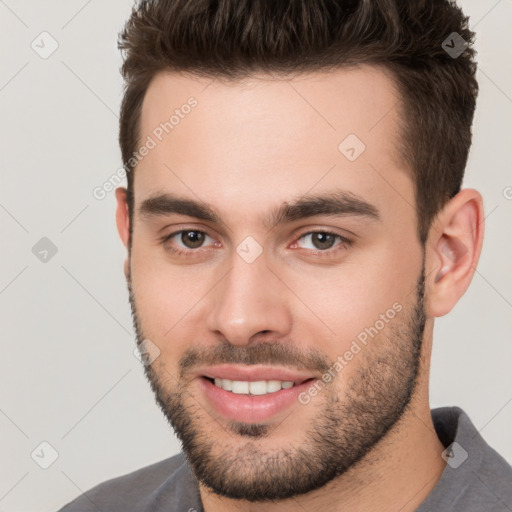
[(249, 301)]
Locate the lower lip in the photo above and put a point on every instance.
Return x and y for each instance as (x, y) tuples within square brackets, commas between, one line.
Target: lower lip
[(251, 408)]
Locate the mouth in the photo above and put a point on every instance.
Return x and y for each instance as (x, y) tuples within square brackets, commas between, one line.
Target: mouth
[(256, 387), (252, 394)]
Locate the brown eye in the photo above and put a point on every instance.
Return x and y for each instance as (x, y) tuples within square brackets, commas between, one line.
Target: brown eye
[(186, 242), (192, 239), (322, 240)]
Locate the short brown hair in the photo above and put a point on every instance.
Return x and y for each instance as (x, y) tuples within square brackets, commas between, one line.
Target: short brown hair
[(233, 38)]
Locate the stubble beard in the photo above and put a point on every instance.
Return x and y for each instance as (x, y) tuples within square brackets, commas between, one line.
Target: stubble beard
[(344, 430)]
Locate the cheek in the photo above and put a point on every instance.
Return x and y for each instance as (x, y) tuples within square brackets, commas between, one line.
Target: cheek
[(164, 294), (369, 292)]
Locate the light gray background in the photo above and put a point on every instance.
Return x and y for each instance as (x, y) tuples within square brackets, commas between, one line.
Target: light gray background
[(69, 376)]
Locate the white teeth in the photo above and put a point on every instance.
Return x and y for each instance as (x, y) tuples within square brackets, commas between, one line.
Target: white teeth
[(240, 387), (273, 385), (259, 387), (224, 384)]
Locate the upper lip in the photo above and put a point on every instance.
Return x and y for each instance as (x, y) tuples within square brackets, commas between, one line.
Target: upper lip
[(252, 373)]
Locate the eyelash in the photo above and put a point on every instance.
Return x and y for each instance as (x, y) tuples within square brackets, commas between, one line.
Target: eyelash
[(345, 242)]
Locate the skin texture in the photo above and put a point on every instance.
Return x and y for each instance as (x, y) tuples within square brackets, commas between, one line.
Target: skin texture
[(247, 147)]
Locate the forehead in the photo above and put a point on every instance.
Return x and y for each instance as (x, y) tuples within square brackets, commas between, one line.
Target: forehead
[(263, 138), (361, 100)]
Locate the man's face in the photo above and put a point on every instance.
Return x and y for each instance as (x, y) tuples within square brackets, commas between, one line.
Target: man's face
[(253, 297)]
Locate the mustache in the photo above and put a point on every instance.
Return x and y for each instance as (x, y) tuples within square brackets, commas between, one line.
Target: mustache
[(269, 353)]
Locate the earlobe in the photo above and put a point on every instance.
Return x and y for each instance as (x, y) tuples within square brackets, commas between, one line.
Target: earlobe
[(453, 249), (122, 215), (127, 268)]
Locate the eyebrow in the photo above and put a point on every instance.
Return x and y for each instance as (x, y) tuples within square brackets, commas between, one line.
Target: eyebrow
[(337, 204)]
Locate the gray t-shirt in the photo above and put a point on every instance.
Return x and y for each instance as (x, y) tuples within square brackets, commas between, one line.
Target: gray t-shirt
[(476, 479)]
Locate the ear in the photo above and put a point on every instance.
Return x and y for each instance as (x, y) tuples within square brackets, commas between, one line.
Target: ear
[(453, 250), (123, 223)]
